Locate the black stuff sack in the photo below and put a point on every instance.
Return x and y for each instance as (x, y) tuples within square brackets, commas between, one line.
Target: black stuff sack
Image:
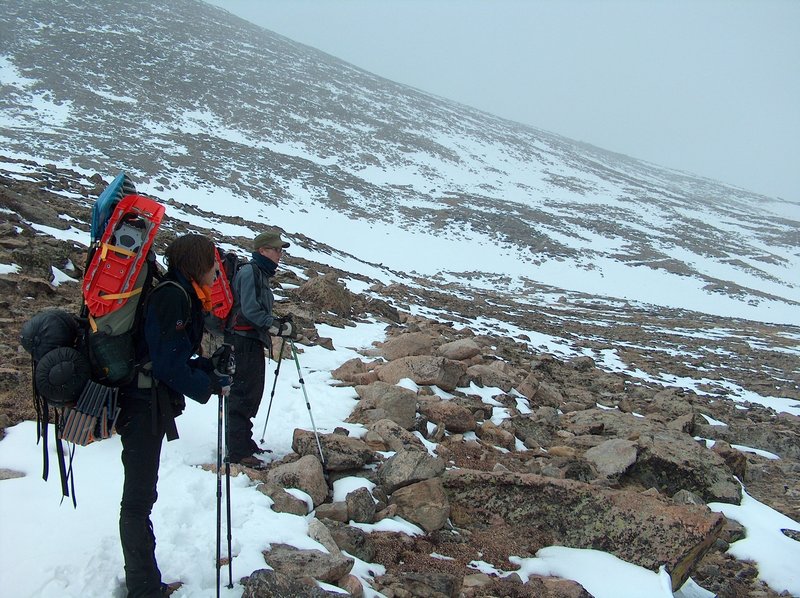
[(61, 375), (48, 330)]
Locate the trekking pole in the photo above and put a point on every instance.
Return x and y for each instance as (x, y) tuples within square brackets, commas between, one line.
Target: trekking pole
[(274, 384), (226, 363), (219, 486), (308, 405), (228, 495)]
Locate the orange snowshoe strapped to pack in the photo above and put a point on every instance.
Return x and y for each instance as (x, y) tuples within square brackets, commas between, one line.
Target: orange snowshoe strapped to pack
[(221, 294), (111, 277)]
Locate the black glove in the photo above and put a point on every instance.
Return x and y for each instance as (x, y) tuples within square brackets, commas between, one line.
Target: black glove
[(221, 385), (288, 330), (283, 327), (223, 361), (178, 404)]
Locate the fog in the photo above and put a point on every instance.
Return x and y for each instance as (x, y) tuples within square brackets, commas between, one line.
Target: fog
[(707, 86)]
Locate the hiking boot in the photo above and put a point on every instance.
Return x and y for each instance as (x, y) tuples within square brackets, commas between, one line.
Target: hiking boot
[(250, 461), (168, 588), (256, 448)]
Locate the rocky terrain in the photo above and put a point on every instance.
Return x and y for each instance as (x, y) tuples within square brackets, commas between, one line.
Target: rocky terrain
[(598, 436), (585, 458)]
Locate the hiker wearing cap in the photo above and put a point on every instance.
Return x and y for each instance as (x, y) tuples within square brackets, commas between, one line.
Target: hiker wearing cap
[(249, 329), (170, 340)]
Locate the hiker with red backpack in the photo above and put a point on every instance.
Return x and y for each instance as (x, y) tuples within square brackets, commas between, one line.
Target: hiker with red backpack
[(249, 328), (172, 330)]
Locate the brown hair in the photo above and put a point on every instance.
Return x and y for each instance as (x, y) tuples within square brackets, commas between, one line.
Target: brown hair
[(192, 255)]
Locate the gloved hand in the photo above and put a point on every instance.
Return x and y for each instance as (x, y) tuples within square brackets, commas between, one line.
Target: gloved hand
[(283, 327), (288, 329), (223, 361), (221, 385)]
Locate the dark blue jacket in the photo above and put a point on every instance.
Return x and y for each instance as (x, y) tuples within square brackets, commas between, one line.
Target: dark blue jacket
[(173, 329)]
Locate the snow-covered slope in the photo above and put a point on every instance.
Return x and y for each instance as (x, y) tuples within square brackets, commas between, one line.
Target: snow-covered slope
[(183, 94)]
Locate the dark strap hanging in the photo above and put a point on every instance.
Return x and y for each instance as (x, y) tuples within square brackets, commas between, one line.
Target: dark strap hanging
[(36, 402), (42, 408), (161, 412), (41, 422), (41, 430), (67, 477)]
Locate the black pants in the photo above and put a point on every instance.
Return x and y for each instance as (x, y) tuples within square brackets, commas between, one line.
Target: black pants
[(141, 451), (245, 397)]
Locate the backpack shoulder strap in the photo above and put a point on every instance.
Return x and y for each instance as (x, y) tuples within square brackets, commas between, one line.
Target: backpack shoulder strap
[(165, 283), (257, 276), (187, 304), (257, 279)]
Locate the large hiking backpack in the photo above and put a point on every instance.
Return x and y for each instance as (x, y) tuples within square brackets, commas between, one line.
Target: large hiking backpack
[(79, 362), (121, 271)]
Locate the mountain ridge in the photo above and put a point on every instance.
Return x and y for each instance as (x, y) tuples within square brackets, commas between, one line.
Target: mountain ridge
[(186, 93)]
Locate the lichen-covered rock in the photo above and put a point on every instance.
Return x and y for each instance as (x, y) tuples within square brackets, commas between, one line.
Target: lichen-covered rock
[(645, 530)]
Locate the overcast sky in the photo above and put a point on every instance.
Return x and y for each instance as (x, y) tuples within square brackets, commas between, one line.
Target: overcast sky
[(707, 86)]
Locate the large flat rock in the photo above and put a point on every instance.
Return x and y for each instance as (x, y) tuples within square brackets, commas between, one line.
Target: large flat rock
[(643, 529)]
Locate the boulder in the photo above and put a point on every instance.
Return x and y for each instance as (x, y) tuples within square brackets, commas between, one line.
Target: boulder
[(671, 461), (460, 350), (408, 467), (405, 345), (424, 370), (781, 436), (428, 584), (612, 457), (304, 474), (334, 511), (547, 395), (424, 503), (645, 530), (9, 474), (341, 452), (667, 405), (354, 371), (298, 563), (385, 401), (529, 386), (395, 437), (448, 414), (282, 501), (327, 294), (266, 582), (495, 435), (491, 377), (582, 364)]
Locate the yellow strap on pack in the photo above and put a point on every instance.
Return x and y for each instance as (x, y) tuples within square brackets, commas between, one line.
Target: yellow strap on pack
[(105, 248), (114, 296)]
